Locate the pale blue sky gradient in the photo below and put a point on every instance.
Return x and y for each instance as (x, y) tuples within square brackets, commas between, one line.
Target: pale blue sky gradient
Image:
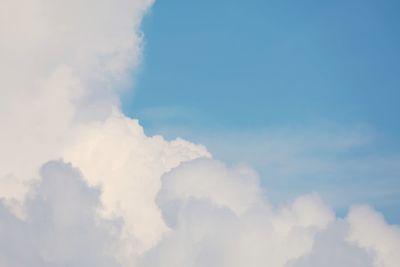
[(316, 83)]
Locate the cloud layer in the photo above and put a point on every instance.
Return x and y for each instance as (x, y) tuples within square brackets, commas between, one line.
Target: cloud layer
[(82, 185)]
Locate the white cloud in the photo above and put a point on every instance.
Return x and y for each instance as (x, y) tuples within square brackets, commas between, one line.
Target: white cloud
[(370, 231), (208, 230), (330, 249), (118, 156), (123, 198), (62, 62), (61, 227), (219, 218)]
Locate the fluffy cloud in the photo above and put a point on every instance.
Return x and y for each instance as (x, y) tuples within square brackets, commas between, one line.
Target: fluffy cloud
[(209, 228), (116, 155), (62, 62), (117, 197), (61, 227), (219, 218), (370, 231)]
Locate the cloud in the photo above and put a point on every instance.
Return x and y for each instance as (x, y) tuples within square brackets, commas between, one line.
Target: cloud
[(370, 231), (331, 249), (219, 218), (207, 225), (81, 184), (209, 228), (62, 65), (116, 155), (61, 227)]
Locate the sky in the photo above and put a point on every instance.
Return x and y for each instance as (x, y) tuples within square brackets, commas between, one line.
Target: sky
[(272, 63), (124, 143), (282, 70)]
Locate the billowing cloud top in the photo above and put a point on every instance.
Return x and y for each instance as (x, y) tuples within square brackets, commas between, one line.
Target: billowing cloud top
[(82, 185)]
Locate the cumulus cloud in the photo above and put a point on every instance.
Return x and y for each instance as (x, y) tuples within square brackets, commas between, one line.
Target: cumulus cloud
[(81, 184), (219, 218), (116, 155), (370, 231), (62, 64), (61, 227)]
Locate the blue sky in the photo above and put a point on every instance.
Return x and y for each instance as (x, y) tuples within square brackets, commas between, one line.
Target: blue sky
[(306, 91)]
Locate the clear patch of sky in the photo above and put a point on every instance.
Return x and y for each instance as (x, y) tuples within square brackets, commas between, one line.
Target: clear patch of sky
[(228, 66)]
